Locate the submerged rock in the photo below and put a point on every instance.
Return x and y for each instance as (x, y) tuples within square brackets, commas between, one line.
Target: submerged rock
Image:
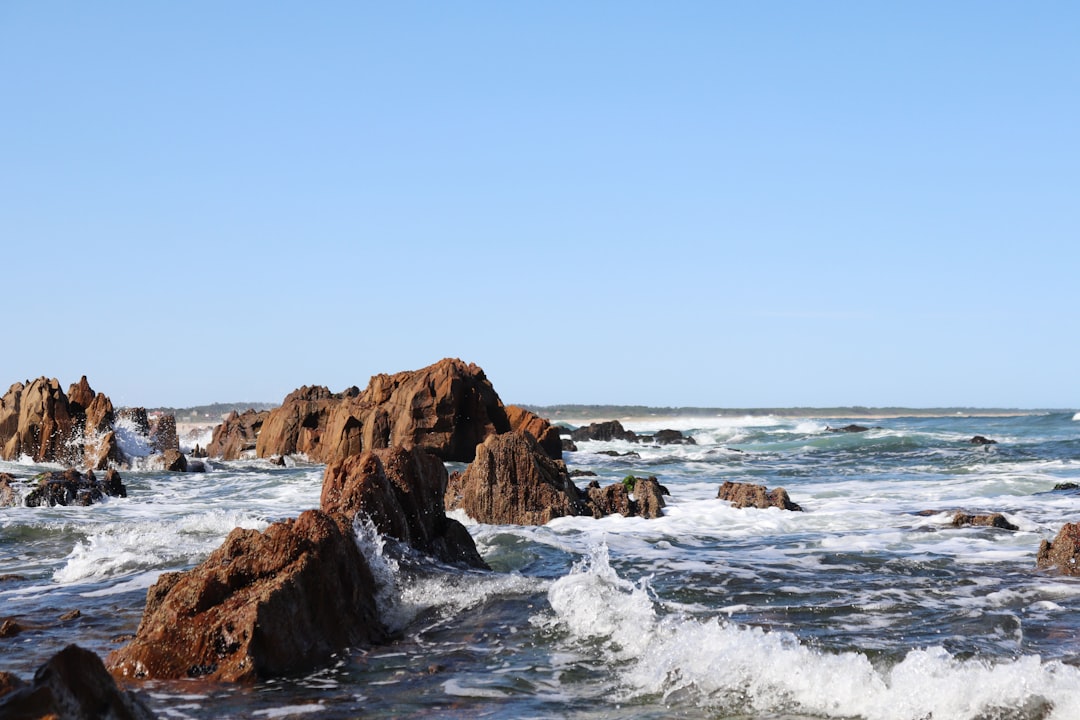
[(263, 604), (72, 685), (401, 492), (743, 495), (1064, 552), (996, 520), (512, 482)]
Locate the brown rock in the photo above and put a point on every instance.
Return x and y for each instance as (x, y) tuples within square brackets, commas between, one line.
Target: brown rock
[(236, 434), (401, 491), (9, 683), (609, 500), (648, 497), (102, 451), (1064, 552), (9, 497), (175, 461), (163, 435), (137, 417), (512, 482), (261, 605), (742, 495), (73, 685), (80, 395), (34, 421), (9, 628), (446, 408), (996, 520), (546, 434)]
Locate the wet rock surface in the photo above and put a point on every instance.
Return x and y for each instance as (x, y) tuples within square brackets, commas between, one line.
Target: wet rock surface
[(742, 495)]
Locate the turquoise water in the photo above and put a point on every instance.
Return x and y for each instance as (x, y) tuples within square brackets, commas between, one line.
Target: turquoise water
[(867, 605)]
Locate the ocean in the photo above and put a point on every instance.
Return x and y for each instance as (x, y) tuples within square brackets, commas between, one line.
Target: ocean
[(868, 604)]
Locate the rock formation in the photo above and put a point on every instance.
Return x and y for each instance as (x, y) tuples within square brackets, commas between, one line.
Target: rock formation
[(261, 605), (609, 500), (996, 520), (163, 435), (546, 434), (1064, 552), (9, 496), (447, 408), (604, 431), (70, 487), (73, 685), (848, 429), (512, 482), (401, 492), (236, 435), (981, 440), (648, 497), (742, 495)]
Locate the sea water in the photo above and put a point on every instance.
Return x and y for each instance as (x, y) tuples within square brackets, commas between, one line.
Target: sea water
[(868, 604)]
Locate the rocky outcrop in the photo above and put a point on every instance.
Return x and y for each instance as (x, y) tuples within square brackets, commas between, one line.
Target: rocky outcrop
[(603, 431), (670, 437), (35, 421), (1064, 552), (980, 440), (163, 435), (401, 492), (609, 500), (236, 434), (742, 495), (648, 497), (70, 487), (848, 429), (513, 482), (9, 496), (263, 604), (73, 685), (546, 434), (175, 461), (446, 408), (633, 497), (995, 520)]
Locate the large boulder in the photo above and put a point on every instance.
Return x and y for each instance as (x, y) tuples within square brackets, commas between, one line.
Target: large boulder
[(401, 492), (1064, 552), (513, 482), (742, 495), (236, 434), (546, 434), (446, 408), (604, 431), (264, 604), (73, 685)]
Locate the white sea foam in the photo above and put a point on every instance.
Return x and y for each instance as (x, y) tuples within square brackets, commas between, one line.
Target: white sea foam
[(1076, 417), (745, 669)]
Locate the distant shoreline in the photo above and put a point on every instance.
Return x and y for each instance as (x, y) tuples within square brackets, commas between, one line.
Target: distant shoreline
[(611, 412)]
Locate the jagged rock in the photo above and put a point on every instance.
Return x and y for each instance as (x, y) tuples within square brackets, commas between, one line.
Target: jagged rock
[(34, 421), (743, 495), (603, 431), (609, 500), (9, 496), (568, 445), (163, 435), (70, 487), (1064, 552), (546, 434), (261, 605), (175, 461), (512, 482), (996, 520), (236, 434), (446, 408), (980, 440), (73, 685), (199, 453), (401, 492), (648, 497), (848, 429), (113, 485)]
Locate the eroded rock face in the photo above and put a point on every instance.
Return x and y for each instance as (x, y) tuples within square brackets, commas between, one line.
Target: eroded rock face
[(237, 434), (513, 482), (609, 500), (1064, 552), (73, 685), (648, 497), (546, 434), (401, 492), (446, 408), (743, 495), (263, 604)]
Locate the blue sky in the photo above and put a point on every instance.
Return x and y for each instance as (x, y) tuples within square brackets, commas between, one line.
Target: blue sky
[(692, 203)]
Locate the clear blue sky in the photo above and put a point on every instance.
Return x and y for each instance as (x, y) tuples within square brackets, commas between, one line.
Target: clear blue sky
[(666, 203)]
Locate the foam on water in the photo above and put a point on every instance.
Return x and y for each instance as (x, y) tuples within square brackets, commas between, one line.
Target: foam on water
[(719, 664)]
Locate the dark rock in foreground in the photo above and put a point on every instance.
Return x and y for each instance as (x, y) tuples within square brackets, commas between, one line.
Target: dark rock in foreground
[(996, 520), (743, 495), (263, 604), (1064, 552), (401, 492), (71, 487), (72, 685), (512, 482)]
